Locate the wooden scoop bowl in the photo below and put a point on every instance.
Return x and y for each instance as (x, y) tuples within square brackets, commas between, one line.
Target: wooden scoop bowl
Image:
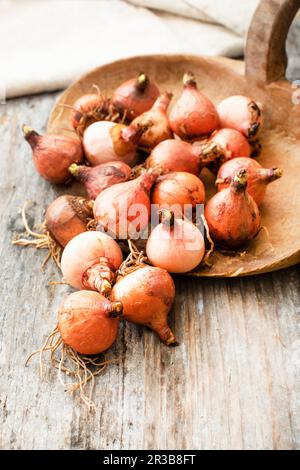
[(262, 78)]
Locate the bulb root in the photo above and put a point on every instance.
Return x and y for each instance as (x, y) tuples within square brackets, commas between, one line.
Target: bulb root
[(105, 112), (39, 240), (135, 260), (79, 369)]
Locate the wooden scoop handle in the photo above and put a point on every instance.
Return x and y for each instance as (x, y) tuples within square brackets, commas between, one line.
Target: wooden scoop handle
[(265, 54)]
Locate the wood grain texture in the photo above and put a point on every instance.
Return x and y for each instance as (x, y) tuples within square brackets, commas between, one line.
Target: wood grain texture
[(271, 249), (232, 383), (266, 58)]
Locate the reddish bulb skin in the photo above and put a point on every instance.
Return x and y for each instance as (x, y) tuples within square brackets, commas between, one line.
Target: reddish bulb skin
[(86, 323), (178, 189), (174, 155), (53, 154), (135, 99), (178, 249), (66, 217), (193, 115), (233, 217), (100, 177), (232, 144), (240, 113), (84, 252), (147, 296), (157, 115), (258, 177), (115, 206)]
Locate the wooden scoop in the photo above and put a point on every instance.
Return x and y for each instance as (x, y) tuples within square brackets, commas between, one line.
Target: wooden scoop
[(262, 78)]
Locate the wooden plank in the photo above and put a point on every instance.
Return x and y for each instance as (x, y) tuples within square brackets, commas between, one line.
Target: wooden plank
[(232, 383)]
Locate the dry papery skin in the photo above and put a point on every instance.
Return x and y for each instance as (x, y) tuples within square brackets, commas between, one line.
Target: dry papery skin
[(66, 217), (178, 189), (157, 115), (232, 215), (230, 144), (177, 155), (53, 154), (135, 96), (147, 295), (100, 177), (240, 113), (92, 107), (88, 322), (258, 177), (193, 114), (115, 203)]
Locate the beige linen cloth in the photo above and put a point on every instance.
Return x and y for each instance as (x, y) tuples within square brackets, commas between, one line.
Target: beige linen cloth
[(47, 44)]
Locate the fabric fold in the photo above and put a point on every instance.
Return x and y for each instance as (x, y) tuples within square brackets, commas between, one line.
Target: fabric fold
[(45, 45)]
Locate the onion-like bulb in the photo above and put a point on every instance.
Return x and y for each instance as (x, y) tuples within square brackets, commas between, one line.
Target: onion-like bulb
[(229, 144), (100, 177), (193, 115), (147, 295), (258, 177), (178, 189), (53, 154), (160, 129), (90, 260), (177, 155), (124, 209), (135, 96), (241, 113), (68, 216), (175, 244), (106, 141), (88, 322), (87, 109), (232, 215)]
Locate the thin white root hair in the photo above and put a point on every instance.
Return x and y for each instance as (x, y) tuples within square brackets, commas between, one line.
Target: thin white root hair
[(135, 260), (39, 240), (76, 372)]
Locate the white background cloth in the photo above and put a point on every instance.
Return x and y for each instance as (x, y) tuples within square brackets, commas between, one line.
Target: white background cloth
[(47, 44)]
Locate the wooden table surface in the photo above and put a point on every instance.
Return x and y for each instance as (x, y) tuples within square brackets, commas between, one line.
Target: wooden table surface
[(232, 383)]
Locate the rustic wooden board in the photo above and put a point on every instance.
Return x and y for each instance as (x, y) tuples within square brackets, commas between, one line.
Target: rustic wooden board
[(232, 383)]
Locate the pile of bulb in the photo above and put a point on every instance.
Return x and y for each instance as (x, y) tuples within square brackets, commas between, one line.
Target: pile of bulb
[(134, 150)]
